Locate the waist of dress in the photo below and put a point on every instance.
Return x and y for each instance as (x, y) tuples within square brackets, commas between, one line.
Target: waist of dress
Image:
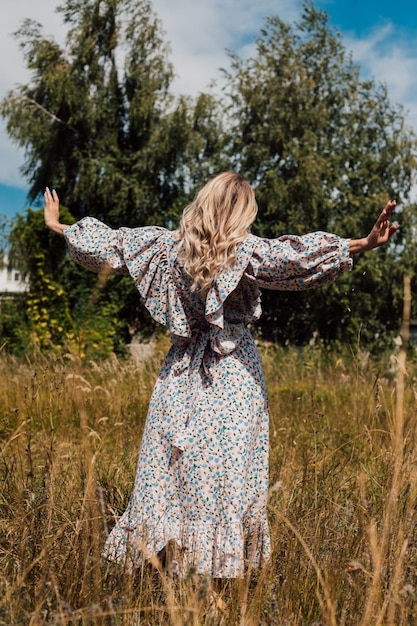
[(223, 340)]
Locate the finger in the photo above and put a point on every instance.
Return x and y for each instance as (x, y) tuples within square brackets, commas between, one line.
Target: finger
[(393, 229), (47, 195), (385, 213), (383, 217), (390, 206)]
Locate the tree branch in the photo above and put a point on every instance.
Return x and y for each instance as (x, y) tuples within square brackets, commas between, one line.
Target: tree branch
[(39, 106)]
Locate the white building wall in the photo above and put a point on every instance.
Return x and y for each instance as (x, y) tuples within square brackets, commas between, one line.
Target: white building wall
[(11, 279)]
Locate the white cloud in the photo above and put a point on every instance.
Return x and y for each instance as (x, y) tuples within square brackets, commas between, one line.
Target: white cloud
[(10, 161), (200, 33), (12, 15), (391, 61), (14, 72)]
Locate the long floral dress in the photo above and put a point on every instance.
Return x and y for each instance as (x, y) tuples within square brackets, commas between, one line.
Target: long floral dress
[(202, 474)]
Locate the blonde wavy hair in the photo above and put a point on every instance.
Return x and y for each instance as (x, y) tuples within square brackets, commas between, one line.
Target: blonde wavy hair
[(213, 226)]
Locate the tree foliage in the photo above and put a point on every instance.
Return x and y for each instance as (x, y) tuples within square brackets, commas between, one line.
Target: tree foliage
[(42, 319), (66, 308), (325, 150), (98, 121), (4, 229)]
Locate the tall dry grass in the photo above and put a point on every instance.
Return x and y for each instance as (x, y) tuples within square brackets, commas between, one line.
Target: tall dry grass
[(342, 502)]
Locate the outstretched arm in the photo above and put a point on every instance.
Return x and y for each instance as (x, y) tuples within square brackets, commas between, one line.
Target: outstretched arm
[(297, 263), (381, 232), (51, 212), (97, 247)]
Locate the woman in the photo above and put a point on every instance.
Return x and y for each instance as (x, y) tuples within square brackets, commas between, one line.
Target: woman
[(202, 475)]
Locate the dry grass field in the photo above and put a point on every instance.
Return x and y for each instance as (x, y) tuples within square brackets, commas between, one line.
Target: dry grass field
[(343, 468)]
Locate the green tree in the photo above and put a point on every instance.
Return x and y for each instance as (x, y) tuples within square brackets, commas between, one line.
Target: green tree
[(43, 319), (98, 123), (82, 320), (325, 150), (4, 225)]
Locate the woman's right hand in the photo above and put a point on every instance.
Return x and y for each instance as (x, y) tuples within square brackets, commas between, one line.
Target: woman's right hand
[(51, 212)]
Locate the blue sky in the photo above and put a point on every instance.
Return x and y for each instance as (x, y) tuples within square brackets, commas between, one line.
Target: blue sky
[(360, 17), (381, 35), (12, 200)]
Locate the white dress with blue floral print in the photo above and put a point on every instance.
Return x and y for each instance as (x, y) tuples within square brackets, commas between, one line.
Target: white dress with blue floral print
[(202, 474)]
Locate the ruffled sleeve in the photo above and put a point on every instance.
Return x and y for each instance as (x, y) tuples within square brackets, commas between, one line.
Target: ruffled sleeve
[(292, 263), (95, 245), (147, 254)]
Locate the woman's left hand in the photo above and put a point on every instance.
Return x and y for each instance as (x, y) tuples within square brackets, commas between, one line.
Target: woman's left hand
[(380, 234), (382, 230)]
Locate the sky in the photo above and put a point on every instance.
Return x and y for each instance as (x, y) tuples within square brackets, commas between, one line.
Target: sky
[(381, 35)]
